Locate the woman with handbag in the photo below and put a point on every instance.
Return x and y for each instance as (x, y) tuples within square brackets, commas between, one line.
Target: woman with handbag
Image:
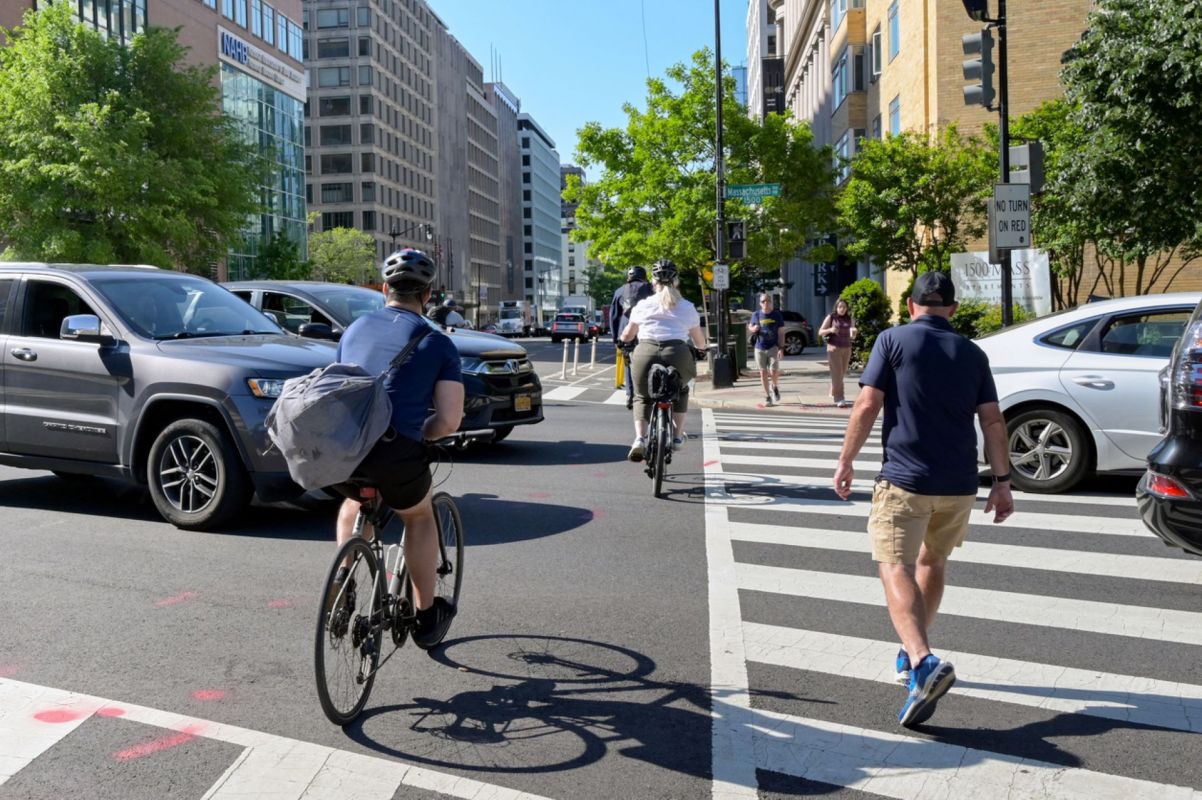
[(838, 330)]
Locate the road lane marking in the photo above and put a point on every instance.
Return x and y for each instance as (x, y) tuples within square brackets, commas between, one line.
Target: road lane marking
[(1153, 624), (1141, 701), (562, 393), (1107, 565), (618, 398)]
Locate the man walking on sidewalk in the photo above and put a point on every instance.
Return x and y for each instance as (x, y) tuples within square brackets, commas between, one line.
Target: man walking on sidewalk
[(931, 382), (765, 327)]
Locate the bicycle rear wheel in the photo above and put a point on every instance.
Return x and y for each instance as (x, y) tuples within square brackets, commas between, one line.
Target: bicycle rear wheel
[(450, 545), (662, 443), (347, 644)]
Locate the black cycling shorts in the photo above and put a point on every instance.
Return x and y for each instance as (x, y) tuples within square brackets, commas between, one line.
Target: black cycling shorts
[(399, 469)]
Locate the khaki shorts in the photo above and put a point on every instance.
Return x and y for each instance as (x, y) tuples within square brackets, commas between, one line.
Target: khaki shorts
[(768, 359), (902, 522)]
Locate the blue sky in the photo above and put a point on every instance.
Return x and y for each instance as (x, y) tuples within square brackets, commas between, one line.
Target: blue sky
[(575, 61)]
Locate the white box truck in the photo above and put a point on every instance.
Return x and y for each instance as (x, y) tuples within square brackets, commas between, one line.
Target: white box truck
[(515, 319)]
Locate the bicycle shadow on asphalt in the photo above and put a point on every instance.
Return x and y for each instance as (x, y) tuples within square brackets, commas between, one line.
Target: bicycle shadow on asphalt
[(548, 704), (747, 489)]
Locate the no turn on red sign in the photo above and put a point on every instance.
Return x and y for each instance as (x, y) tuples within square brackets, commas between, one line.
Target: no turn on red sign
[(1010, 217)]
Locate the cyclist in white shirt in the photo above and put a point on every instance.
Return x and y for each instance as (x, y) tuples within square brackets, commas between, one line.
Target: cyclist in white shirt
[(665, 324)]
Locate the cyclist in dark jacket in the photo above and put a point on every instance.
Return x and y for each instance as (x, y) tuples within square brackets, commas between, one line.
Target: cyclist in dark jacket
[(625, 299)]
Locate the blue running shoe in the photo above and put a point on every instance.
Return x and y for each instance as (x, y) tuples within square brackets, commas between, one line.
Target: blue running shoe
[(903, 668), (929, 681)]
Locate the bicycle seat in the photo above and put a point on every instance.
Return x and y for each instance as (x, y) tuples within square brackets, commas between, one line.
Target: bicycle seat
[(663, 383)]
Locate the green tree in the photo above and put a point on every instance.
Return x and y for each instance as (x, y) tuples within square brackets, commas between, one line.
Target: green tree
[(112, 153), (869, 307), (343, 255), (279, 259), (912, 201), (603, 281), (655, 196), (1134, 86)]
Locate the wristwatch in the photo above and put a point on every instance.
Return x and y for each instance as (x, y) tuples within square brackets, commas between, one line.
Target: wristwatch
[(1001, 478)]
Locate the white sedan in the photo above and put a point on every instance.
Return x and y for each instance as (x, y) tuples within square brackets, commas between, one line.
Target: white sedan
[(1080, 388)]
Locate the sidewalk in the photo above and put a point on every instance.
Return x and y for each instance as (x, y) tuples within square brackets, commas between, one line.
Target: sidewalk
[(804, 387)]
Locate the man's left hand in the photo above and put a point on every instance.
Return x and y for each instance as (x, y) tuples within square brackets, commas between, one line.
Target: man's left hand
[(1000, 501), (844, 475)]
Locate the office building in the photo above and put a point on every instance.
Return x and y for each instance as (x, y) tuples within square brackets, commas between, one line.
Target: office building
[(542, 243), (506, 107), (257, 46), (574, 256)]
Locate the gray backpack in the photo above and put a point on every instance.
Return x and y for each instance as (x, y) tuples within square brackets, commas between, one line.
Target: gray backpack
[(325, 423)]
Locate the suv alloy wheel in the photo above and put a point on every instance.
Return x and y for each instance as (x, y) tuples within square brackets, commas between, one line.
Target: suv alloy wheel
[(195, 475)]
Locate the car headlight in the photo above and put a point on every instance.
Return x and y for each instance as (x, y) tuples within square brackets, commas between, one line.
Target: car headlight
[(265, 387), (472, 365)]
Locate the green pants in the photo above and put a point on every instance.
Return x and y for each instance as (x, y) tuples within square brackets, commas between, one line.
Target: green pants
[(673, 353)]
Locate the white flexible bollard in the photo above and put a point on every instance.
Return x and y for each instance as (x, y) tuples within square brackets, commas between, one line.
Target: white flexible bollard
[(592, 364), (575, 354), (563, 372)]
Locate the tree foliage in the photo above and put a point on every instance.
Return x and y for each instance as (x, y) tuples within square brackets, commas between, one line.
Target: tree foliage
[(112, 153), (342, 255), (912, 200), (603, 281), (1133, 85), (869, 307), (279, 259), (656, 193)]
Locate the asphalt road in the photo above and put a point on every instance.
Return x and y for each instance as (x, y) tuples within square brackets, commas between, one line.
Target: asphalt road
[(729, 640)]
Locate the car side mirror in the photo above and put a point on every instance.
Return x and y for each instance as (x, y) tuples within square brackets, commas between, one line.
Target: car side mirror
[(84, 328), (317, 330)]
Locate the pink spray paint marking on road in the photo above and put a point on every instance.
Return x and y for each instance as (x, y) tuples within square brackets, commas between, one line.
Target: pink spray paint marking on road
[(158, 745), (209, 695), (600, 475), (110, 711), (710, 463), (8, 670), (281, 603), (539, 495), (183, 597), (57, 716)]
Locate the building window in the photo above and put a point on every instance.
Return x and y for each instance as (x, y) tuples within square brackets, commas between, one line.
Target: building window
[(333, 76), (367, 162), (334, 48), (337, 219), (369, 221), (894, 32), (526, 212), (282, 31), (363, 16), (227, 9), (333, 18), (895, 116), (240, 12), (368, 189), (528, 230), (876, 127), (334, 106), (337, 163), (529, 247), (364, 46), (308, 136), (365, 104), (295, 39), (256, 17), (526, 139), (365, 76), (367, 133), (875, 54), (268, 24), (526, 175), (526, 160), (839, 11), (842, 157), (337, 193), (526, 195), (335, 134)]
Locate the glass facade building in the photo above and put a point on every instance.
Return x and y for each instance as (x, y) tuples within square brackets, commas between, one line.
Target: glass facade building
[(120, 18), (274, 121)]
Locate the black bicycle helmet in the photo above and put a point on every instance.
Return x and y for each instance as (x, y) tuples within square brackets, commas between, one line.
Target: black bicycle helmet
[(664, 271), (636, 274), (409, 266)]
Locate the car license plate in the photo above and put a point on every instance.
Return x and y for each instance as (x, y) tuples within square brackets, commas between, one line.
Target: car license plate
[(521, 402)]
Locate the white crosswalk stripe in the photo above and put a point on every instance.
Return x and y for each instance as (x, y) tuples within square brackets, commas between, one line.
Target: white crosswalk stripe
[(769, 499)]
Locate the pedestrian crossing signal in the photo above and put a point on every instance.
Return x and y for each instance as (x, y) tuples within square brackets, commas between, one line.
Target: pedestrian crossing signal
[(736, 239)]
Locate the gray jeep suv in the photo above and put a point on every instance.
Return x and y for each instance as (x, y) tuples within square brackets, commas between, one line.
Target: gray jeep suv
[(149, 375)]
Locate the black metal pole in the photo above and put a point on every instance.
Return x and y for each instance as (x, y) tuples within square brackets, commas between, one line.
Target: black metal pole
[(1004, 136), (723, 371)]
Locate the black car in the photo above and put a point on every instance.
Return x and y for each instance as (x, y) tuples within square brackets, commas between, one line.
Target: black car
[(1170, 493), (501, 389)]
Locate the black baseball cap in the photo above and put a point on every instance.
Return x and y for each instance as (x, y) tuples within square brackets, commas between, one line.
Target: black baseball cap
[(933, 289)]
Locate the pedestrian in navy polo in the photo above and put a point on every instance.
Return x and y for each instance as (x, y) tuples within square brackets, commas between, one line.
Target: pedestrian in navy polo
[(930, 381)]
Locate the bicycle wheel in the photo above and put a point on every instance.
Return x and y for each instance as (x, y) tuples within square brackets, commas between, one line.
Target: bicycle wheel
[(450, 544), (347, 645), (662, 443), (649, 448)]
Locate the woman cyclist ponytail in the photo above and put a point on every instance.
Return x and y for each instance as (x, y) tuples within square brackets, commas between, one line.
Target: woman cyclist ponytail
[(667, 295)]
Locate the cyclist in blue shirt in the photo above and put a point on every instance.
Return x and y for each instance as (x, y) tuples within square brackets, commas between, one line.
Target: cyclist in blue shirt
[(397, 466)]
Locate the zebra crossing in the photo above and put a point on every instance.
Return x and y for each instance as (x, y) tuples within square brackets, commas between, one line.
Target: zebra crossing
[(1076, 635)]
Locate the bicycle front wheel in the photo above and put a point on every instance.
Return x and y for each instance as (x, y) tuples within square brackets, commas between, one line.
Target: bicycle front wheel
[(450, 546), (662, 443), (347, 645)]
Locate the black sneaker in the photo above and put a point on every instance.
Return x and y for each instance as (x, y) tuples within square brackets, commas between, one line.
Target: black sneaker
[(629, 403), (776, 393), (433, 624)]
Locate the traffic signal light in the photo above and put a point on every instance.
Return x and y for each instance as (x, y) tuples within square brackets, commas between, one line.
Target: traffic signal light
[(979, 69), (736, 239), (977, 9)]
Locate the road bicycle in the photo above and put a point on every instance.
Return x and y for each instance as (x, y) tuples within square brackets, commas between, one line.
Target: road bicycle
[(664, 384), (374, 602)]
